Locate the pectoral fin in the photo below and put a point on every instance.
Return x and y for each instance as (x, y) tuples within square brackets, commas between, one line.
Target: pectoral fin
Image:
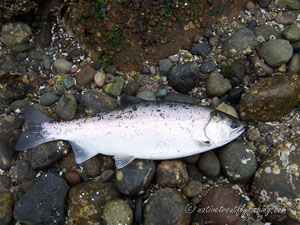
[(82, 154), (123, 160)]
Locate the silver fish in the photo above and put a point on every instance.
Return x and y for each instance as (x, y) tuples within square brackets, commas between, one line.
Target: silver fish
[(155, 131)]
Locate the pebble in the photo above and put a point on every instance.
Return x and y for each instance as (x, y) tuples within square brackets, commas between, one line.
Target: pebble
[(201, 48), (220, 197), (86, 75), (176, 97), (294, 64), (110, 69), (267, 31), (135, 178), (14, 33), (235, 95), (285, 17), (96, 65), (36, 55), (9, 65), (92, 166), (72, 177), (131, 88), (253, 134), (223, 107), (192, 159), (6, 205), (115, 88), (264, 3), (209, 164), (48, 99), (21, 56), (238, 162), (146, 95), (44, 38), (26, 185), (270, 98), (261, 68), (174, 58), (162, 92), (5, 183), (292, 4), (66, 107), (62, 65), (164, 66), (117, 212), (46, 63), (192, 189), (172, 173), (216, 85), (74, 69), (167, 202), (89, 197), (195, 174), (68, 162), (23, 171), (107, 175), (21, 47), (291, 33), (127, 100), (185, 77), (44, 202), (152, 70), (17, 104), (234, 70), (69, 82), (207, 67)]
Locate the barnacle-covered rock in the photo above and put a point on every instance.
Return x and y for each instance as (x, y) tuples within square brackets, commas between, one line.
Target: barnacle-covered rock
[(276, 185), (270, 98)]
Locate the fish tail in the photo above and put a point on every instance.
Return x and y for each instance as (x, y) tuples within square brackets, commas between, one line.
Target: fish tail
[(33, 126)]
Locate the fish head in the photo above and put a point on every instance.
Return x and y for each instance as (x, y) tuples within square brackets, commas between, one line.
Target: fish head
[(223, 128)]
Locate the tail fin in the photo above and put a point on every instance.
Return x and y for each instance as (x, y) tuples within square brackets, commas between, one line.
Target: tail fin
[(32, 135)]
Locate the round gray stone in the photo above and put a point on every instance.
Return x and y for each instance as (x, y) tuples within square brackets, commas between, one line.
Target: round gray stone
[(66, 107), (294, 65), (14, 33), (217, 85), (146, 95), (62, 65), (117, 212), (292, 33), (209, 164), (164, 66), (48, 99)]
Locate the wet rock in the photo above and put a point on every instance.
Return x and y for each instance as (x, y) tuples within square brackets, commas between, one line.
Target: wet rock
[(44, 38), (135, 178), (96, 65), (106, 175), (99, 78), (220, 197), (242, 42), (44, 202), (69, 82), (192, 159), (276, 52), (285, 17), (162, 92), (264, 3), (234, 70), (93, 102), (169, 203), (14, 33), (117, 212), (86, 75), (192, 189), (36, 55), (26, 185), (209, 164), (173, 58), (72, 177), (86, 202), (238, 161), (294, 65), (207, 67), (115, 88), (164, 66), (5, 183), (261, 68), (185, 77), (45, 155), (6, 206), (270, 98), (18, 104), (21, 47), (146, 95), (172, 173), (201, 48), (216, 85), (131, 88), (267, 31), (129, 100), (223, 107), (235, 95), (275, 185), (176, 97), (291, 33), (23, 171), (68, 162), (9, 133), (66, 107), (92, 167), (110, 69), (62, 65), (292, 4), (9, 64), (48, 99)]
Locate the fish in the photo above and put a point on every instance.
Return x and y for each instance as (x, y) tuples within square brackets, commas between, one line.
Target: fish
[(151, 130)]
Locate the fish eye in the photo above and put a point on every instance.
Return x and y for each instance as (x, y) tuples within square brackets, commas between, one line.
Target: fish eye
[(234, 125)]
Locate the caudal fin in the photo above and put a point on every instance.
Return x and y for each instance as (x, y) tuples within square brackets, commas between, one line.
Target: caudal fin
[(32, 135)]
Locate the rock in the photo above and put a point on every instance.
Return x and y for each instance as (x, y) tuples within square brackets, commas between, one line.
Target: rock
[(9, 65), (234, 70), (223, 107), (176, 97), (216, 85), (89, 197), (92, 167), (195, 174), (106, 175), (110, 69), (270, 98), (6, 206), (44, 202), (86, 75), (173, 58), (291, 33), (129, 100), (93, 102), (264, 3), (292, 4), (167, 202), (115, 88), (164, 66), (253, 134), (238, 161), (267, 31), (48, 99), (185, 77), (162, 92), (5, 183), (294, 65), (62, 65), (209, 164), (99, 78), (235, 95), (220, 197), (242, 42), (207, 67), (117, 212), (44, 38), (136, 177), (146, 95), (66, 107), (201, 48), (18, 104), (36, 55), (131, 88), (68, 162), (172, 173), (45, 155), (275, 185), (285, 17), (23, 171), (192, 159), (69, 82), (21, 47), (72, 177), (14, 33), (152, 70), (261, 68), (192, 189)]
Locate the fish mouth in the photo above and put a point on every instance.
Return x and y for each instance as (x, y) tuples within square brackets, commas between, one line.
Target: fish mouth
[(238, 131)]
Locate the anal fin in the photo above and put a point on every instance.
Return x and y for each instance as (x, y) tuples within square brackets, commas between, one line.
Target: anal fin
[(123, 160), (82, 154)]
